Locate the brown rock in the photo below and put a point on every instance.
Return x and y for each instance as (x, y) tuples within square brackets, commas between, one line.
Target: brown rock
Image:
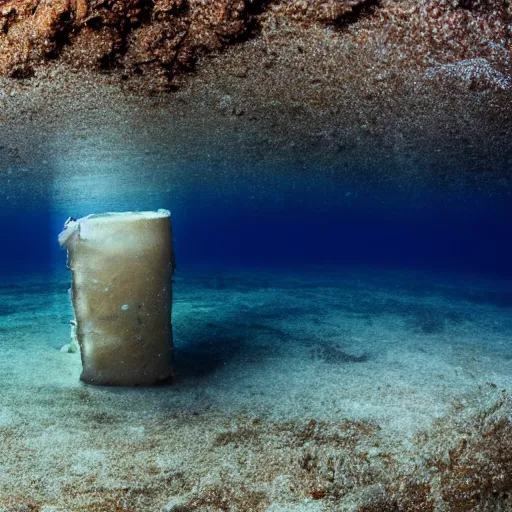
[(92, 49), (80, 8), (130, 33), (166, 36)]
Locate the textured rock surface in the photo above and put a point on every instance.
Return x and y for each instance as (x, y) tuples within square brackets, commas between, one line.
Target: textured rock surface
[(157, 37), (162, 37), (410, 92)]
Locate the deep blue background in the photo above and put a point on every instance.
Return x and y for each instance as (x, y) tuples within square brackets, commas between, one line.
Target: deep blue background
[(442, 231), (436, 230)]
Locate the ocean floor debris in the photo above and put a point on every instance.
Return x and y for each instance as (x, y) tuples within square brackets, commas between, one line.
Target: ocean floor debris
[(283, 431)]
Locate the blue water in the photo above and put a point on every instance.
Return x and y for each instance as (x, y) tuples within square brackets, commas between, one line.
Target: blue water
[(444, 230)]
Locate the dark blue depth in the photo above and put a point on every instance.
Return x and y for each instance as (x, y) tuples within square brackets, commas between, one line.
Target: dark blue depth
[(433, 231)]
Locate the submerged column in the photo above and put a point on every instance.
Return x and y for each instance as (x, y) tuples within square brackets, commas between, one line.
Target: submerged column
[(122, 265)]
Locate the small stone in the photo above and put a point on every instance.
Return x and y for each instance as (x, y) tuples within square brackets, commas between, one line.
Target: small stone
[(175, 504), (69, 348), (240, 71)]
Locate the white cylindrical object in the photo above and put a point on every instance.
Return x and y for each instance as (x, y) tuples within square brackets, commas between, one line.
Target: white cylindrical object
[(122, 266)]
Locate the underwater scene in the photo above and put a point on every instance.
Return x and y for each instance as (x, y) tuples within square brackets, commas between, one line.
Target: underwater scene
[(327, 326)]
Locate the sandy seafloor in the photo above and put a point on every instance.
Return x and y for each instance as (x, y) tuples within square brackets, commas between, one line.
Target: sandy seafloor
[(315, 389)]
